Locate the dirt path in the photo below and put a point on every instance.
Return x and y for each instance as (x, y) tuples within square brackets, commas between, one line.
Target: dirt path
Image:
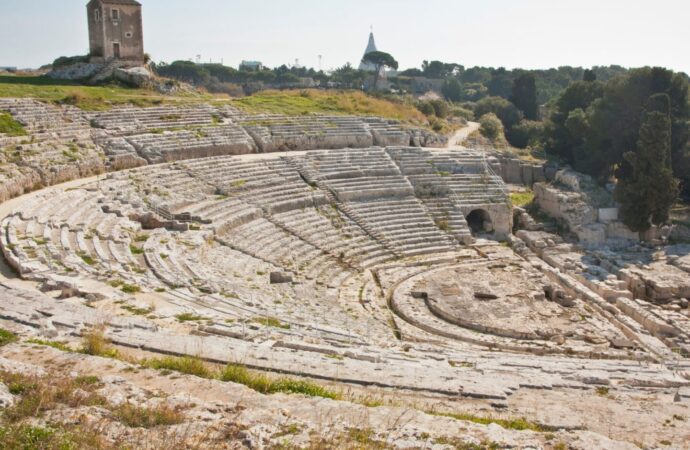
[(457, 139)]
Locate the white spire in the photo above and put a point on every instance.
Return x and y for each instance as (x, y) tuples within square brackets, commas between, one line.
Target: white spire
[(371, 47)]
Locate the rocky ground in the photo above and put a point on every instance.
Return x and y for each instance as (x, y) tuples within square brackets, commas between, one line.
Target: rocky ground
[(112, 403)]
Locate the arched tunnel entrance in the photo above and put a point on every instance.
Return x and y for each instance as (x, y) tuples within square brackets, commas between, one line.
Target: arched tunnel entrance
[(479, 222)]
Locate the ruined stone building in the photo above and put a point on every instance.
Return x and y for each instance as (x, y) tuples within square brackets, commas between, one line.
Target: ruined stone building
[(115, 30)]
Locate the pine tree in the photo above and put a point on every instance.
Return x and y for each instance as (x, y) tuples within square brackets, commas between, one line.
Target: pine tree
[(646, 188)]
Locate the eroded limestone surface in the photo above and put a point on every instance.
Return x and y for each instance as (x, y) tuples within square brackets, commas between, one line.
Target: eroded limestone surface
[(363, 267)]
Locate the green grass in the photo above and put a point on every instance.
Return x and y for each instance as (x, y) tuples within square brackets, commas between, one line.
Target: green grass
[(94, 98), (271, 322), (296, 103), (54, 344), (510, 424), (87, 259), (32, 437), (521, 198), (184, 364), (189, 317), (264, 384), (136, 250), (138, 311), (130, 288), (6, 337), (9, 126)]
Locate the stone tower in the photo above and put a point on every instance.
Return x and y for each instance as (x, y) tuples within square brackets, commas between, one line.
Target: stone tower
[(115, 30), (371, 47)]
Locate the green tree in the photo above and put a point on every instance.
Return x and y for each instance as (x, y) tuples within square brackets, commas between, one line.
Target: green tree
[(439, 69), (452, 89), (589, 75), (441, 108), (646, 188), (526, 133), (380, 61), (501, 83), (615, 119), (349, 77), (524, 95), (505, 110), (562, 140)]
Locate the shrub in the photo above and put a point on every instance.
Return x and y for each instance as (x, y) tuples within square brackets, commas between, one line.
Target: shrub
[(491, 127), (464, 113), (140, 417), (426, 108), (63, 61), (507, 113), (526, 133), (441, 108), (96, 344)]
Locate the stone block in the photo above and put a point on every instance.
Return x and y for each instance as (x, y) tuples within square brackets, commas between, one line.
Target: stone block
[(281, 277), (606, 215), (527, 174)]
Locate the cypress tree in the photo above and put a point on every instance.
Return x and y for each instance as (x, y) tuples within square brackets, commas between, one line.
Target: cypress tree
[(525, 95), (646, 188)]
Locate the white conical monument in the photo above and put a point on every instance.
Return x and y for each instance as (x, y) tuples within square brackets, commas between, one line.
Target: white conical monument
[(371, 47)]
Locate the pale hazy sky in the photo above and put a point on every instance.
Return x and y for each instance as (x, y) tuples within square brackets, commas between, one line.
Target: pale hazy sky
[(509, 33)]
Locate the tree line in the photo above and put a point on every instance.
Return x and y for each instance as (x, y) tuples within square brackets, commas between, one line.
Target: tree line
[(633, 129)]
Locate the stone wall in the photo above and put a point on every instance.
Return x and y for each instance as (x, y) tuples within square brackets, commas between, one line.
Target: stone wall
[(517, 171)]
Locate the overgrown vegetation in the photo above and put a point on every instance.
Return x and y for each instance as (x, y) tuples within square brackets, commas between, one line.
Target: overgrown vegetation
[(266, 385), (295, 103), (95, 343), (38, 395), (140, 417), (271, 322), (189, 317), (6, 337), (9, 126), (510, 424), (93, 98), (522, 198), (182, 364), (636, 129), (54, 344)]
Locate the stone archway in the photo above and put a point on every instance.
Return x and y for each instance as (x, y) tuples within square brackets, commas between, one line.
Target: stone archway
[(479, 221)]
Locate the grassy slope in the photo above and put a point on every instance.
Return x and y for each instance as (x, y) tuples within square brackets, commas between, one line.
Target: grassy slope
[(86, 97), (302, 102), (279, 102)]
